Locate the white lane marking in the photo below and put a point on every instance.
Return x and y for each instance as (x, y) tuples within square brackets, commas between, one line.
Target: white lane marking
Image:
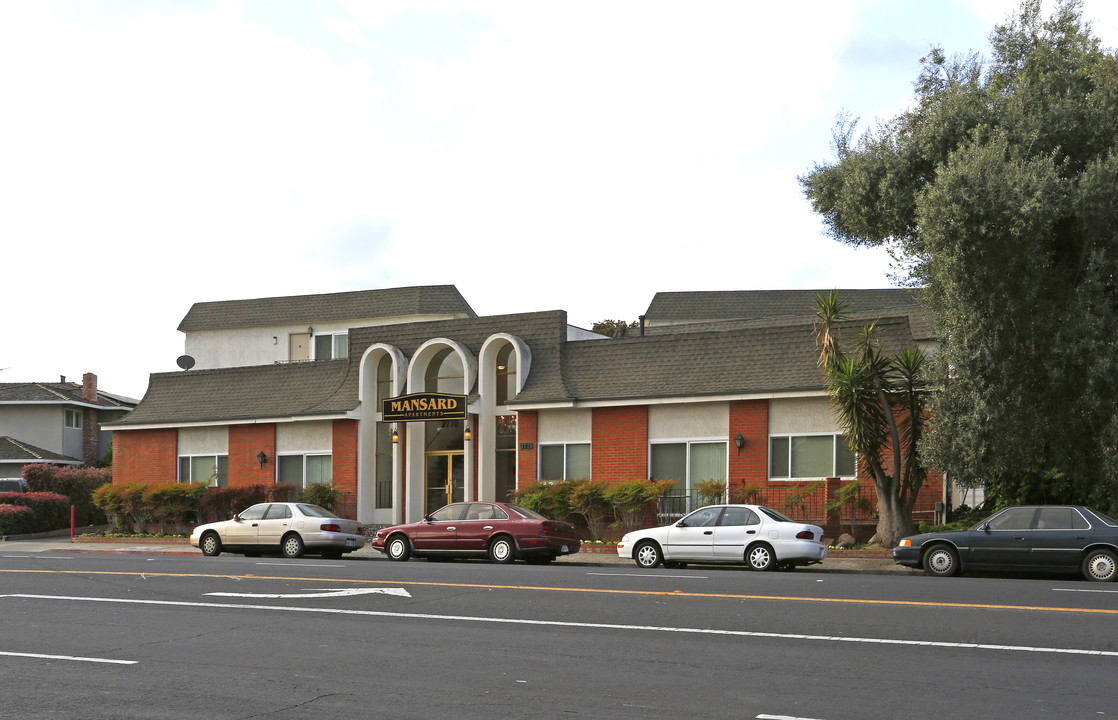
[(583, 625), (650, 575), (782, 717), (69, 657), (1080, 590), (323, 593), (35, 555)]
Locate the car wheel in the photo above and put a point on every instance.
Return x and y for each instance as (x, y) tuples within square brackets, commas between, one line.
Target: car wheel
[(502, 550), (1100, 565), (210, 544), (398, 548), (941, 561), (292, 546), (647, 555), (760, 557)]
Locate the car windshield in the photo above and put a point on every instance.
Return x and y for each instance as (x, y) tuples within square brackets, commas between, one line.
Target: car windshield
[(526, 513), (314, 511), (779, 517)]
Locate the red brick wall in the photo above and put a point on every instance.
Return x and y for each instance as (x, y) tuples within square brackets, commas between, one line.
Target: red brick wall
[(527, 427), (345, 456), (619, 444), (245, 442), (751, 463), (148, 456)]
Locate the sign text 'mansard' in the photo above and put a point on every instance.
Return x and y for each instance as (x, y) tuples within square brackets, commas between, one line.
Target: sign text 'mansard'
[(424, 406)]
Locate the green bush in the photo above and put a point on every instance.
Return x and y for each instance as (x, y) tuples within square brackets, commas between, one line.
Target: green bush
[(588, 499), (16, 519), (552, 499), (109, 502), (222, 502), (323, 494), (630, 500), (174, 503)]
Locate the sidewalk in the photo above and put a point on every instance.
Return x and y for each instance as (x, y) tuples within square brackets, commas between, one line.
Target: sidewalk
[(863, 562)]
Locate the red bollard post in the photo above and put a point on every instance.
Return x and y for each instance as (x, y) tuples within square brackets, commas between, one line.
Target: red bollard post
[(71, 523)]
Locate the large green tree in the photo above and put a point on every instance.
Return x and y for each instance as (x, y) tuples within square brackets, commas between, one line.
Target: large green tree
[(998, 193)]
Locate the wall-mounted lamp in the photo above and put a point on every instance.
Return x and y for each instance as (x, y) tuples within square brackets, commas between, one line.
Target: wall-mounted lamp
[(275, 340), (395, 435), (739, 442), (467, 434), (262, 458), (310, 331)]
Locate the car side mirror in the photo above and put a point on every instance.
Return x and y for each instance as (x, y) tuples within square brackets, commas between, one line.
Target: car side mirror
[(984, 527), (681, 524), (427, 518)]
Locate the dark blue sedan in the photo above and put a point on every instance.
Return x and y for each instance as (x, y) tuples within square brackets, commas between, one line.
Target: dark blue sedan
[(1035, 538)]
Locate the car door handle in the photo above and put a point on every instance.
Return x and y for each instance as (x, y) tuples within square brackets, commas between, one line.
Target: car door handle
[(487, 527), (256, 524), (452, 528), (750, 532), (708, 532)]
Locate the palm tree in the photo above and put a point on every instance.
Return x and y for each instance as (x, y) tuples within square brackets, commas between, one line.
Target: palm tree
[(881, 405)]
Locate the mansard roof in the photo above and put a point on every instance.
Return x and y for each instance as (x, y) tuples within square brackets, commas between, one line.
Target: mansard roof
[(422, 300)]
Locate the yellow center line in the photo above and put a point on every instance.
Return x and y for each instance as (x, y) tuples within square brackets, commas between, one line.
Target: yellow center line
[(604, 591)]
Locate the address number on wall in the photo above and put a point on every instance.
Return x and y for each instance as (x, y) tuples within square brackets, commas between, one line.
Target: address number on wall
[(527, 446)]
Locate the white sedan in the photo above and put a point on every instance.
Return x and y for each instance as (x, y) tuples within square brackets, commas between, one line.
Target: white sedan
[(288, 528), (755, 535)]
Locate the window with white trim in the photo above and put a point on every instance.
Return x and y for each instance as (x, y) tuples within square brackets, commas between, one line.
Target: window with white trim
[(687, 463), (303, 470), (331, 346), (565, 461), (213, 470), (73, 419), (803, 457)]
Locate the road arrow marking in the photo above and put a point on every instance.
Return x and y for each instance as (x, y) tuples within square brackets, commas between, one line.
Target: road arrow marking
[(324, 593)]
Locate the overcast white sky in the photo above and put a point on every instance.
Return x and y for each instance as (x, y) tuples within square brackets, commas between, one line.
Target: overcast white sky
[(539, 155)]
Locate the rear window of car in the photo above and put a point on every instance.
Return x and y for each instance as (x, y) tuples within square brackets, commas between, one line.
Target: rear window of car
[(526, 513), (314, 511), (1108, 520), (775, 515)]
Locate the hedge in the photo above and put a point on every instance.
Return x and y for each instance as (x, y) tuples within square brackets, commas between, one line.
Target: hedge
[(16, 519), (76, 483), (49, 511)]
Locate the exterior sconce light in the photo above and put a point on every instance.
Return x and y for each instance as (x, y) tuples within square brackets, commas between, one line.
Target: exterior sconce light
[(395, 435), (262, 458), (310, 331), (739, 442), (467, 435)]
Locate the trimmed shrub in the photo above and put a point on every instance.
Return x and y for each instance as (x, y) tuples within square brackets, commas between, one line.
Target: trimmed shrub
[(222, 502), (110, 503), (50, 511), (588, 499), (76, 483), (323, 494), (552, 499), (174, 503), (15, 519), (631, 499)]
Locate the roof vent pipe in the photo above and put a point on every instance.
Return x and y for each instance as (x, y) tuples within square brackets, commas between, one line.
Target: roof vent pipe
[(642, 325)]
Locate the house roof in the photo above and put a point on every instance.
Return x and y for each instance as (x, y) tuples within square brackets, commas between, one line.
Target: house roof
[(329, 307), (58, 393), (766, 306), (16, 450)]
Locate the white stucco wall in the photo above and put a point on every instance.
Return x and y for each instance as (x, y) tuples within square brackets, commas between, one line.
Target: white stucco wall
[(204, 441), (695, 420), (568, 425), (304, 437), (800, 416)]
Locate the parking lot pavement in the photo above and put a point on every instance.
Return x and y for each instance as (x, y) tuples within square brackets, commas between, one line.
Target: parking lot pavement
[(879, 564)]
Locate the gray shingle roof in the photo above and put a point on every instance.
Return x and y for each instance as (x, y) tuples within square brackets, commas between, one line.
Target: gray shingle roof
[(329, 307), (768, 305), (12, 449), (244, 393), (57, 392)]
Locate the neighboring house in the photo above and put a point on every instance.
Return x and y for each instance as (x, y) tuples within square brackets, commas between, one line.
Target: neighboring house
[(715, 385), (57, 423)]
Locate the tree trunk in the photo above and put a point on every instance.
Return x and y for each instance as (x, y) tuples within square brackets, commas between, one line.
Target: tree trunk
[(893, 522)]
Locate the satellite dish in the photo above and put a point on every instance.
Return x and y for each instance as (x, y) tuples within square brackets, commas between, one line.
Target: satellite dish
[(185, 362)]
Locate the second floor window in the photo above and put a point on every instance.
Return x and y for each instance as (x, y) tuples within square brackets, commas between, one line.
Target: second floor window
[(331, 346), (73, 419)]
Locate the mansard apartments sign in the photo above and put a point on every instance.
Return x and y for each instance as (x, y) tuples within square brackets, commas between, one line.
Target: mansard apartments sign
[(424, 406)]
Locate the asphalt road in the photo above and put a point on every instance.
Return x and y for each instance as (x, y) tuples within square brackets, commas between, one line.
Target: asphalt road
[(112, 635)]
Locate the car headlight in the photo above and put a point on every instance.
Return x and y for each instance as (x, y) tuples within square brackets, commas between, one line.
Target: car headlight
[(905, 542), (624, 538)]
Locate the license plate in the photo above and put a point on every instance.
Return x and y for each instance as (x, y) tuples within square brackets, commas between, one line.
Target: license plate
[(350, 543), (566, 549)]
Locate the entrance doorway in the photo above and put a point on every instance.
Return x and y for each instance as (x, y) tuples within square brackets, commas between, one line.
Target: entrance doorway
[(445, 479)]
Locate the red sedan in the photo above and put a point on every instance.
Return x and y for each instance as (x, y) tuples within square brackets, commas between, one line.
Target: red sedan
[(499, 531)]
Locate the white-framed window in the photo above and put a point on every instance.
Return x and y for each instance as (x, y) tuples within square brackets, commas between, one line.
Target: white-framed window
[(303, 470), (210, 469), (800, 457), (73, 419), (570, 461), (331, 346), (687, 462)]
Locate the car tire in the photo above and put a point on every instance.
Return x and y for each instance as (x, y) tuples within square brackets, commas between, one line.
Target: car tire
[(1100, 566), (210, 544), (398, 548), (292, 546), (941, 561), (760, 557), (502, 550), (647, 555)]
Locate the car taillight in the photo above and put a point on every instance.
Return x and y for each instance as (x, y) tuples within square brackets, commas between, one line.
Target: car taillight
[(359, 530), (805, 535), (551, 527), (331, 527)]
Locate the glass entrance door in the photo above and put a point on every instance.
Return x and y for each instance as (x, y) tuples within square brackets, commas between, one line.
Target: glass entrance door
[(446, 472)]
